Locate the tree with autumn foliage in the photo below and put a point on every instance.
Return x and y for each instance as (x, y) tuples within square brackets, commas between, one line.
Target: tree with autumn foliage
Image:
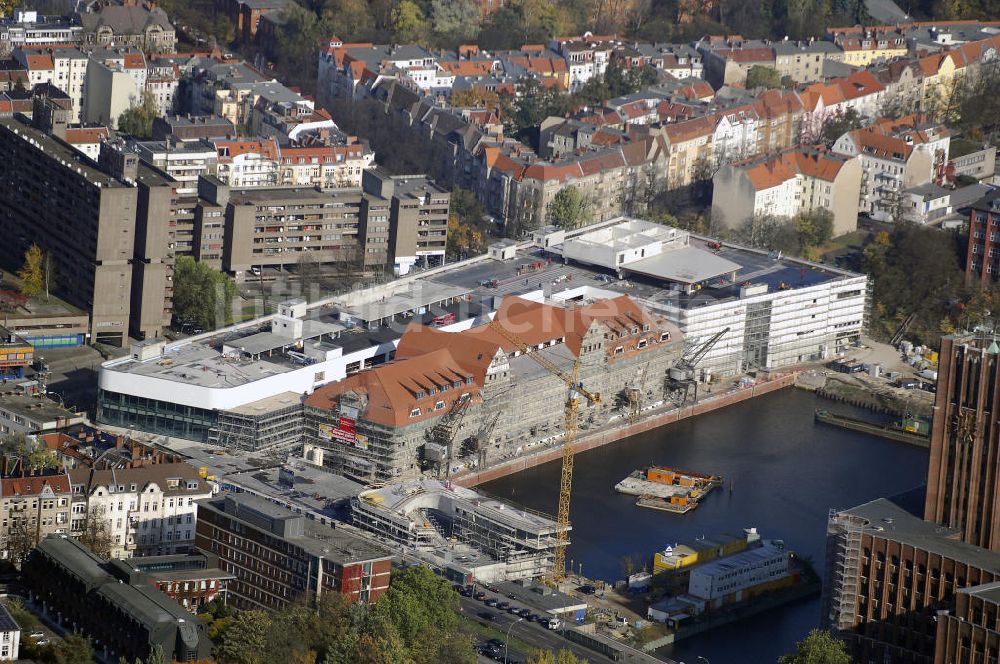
[(467, 225)]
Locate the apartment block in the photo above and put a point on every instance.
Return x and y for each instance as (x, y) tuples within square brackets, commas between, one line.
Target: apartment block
[(792, 182), (33, 504), (149, 510), (418, 218), (83, 218), (279, 557)]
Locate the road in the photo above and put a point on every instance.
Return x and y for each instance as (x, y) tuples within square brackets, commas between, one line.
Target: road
[(529, 632)]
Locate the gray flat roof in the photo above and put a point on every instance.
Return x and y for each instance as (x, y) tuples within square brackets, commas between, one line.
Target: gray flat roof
[(416, 296), (688, 265), (37, 408), (268, 404), (889, 520)]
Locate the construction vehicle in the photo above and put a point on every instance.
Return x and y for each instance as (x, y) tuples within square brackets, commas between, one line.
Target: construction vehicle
[(576, 390), (682, 377)]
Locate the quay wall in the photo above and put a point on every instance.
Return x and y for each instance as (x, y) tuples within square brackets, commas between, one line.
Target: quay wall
[(591, 440)]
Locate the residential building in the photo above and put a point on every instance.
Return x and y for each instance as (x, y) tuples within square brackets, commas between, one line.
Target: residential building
[(34, 504), (279, 557), (29, 28), (111, 603), (895, 155), (246, 14), (87, 139), (729, 59), (25, 413), (792, 182), (65, 68), (149, 509), (863, 46), (802, 61), (83, 218), (111, 90), (128, 25), (247, 163), (10, 636), (190, 579), (982, 258), (417, 220), (183, 160)]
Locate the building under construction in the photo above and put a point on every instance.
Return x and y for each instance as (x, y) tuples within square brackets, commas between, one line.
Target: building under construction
[(473, 397), (461, 530)]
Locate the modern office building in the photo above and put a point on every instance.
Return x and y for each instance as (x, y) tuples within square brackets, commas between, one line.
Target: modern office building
[(111, 603), (278, 556)]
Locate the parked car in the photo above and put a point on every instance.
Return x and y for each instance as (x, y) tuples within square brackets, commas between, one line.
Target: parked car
[(503, 606), (488, 616), (480, 596), (514, 610), (554, 623), (586, 589), (491, 602)]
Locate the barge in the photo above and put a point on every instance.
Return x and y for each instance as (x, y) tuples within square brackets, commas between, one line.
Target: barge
[(668, 489)]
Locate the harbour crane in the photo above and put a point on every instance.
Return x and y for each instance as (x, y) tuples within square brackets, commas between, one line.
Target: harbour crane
[(681, 376), (576, 390)]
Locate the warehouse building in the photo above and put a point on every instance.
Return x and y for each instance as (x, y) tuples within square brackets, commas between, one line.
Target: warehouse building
[(472, 397)]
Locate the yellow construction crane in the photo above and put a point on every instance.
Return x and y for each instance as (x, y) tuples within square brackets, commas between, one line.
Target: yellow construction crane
[(572, 380)]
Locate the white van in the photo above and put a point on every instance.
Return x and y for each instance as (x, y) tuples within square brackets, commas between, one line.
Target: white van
[(553, 623)]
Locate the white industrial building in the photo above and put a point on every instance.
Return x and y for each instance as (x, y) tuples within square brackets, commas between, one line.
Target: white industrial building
[(778, 311), (730, 576)]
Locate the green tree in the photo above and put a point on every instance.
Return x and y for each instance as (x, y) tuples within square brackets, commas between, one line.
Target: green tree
[(408, 21), (32, 272), (568, 209), (245, 641), (75, 649), (760, 76), (202, 294), (138, 120), (96, 534), (456, 20), (815, 228), (839, 124), (817, 648)]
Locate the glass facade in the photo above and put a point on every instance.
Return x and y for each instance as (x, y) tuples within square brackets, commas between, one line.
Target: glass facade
[(154, 416)]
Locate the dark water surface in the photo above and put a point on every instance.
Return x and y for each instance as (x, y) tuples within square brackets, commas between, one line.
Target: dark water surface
[(787, 472)]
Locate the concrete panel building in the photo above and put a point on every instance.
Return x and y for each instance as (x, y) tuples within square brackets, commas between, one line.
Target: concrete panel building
[(83, 218)]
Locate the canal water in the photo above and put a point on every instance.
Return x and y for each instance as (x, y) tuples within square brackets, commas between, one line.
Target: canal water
[(786, 472)]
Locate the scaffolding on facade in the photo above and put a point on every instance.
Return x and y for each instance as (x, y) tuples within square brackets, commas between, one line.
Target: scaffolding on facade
[(844, 533)]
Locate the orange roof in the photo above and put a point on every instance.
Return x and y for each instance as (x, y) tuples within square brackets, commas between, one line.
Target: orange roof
[(881, 145), (85, 135), (777, 169), (39, 62), (467, 67), (134, 61), (687, 130), (746, 54), (34, 485), (268, 148)]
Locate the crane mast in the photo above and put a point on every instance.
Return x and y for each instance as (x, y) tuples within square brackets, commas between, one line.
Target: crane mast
[(576, 390)]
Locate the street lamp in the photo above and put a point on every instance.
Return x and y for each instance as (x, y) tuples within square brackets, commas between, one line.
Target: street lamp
[(507, 638)]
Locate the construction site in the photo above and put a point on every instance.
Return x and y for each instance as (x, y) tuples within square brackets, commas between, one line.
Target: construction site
[(457, 400), (459, 530)]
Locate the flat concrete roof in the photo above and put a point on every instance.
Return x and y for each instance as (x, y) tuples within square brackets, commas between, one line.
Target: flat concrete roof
[(688, 265), (415, 297), (268, 404)]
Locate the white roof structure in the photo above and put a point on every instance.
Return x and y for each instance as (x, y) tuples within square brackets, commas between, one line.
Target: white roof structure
[(649, 249)]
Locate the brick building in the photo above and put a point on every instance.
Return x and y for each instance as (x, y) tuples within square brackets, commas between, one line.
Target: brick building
[(982, 257), (278, 556), (191, 579)]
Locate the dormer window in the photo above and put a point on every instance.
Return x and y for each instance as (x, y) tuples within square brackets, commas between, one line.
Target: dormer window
[(432, 391), (664, 336), (457, 384), (439, 405), (421, 394), (415, 412)]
